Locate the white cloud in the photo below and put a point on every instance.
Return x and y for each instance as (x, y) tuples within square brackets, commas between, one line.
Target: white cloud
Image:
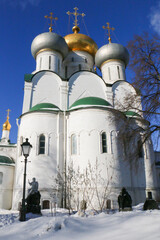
[(155, 18)]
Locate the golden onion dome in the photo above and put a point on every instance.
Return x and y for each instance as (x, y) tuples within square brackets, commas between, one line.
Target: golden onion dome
[(80, 42), (7, 125)]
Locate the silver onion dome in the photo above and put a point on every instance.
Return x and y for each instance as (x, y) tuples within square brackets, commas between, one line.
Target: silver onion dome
[(49, 40), (111, 51)]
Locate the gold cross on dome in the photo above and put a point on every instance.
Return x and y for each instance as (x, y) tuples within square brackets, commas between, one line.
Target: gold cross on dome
[(51, 18), (109, 33), (8, 110), (76, 14)]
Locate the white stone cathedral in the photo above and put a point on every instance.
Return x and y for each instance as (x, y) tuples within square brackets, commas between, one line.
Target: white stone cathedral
[(72, 116)]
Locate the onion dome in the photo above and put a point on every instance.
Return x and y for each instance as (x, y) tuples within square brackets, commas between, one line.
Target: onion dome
[(49, 41), (111, 51), (80, 42), (7, 125)]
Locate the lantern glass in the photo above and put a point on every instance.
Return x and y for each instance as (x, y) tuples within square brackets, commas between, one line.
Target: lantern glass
[(26, 148)]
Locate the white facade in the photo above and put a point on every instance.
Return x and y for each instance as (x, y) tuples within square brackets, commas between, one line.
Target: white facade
[(73, 117)]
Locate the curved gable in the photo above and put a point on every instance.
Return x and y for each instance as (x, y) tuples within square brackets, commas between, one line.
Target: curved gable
[(125, 96), (42, 89), (85, 84)]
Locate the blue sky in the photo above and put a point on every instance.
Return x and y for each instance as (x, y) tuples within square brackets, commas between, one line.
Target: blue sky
[(22, 20)]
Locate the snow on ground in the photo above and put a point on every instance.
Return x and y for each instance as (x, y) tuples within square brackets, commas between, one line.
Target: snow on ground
[(133, 225)]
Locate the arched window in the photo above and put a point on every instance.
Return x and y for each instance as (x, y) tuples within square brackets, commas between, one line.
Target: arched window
[(42, 144), (1, 177), (104, 142), (73, 144)]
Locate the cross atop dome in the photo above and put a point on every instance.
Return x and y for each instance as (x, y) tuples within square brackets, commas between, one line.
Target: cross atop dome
[(51, 19), (8, 110), (75, 28), (109, 33)]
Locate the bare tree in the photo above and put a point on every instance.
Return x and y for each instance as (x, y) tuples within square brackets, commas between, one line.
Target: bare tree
[(145, 63)]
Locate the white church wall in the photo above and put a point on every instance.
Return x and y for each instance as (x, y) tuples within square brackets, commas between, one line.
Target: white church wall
[(87, 125), (85, 84), (6, 186), (151, 178), (44, 84), (8, 151), (41, 166)]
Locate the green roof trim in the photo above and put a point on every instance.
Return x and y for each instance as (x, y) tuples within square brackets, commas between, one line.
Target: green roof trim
[(131, 114), (4, 159), (93, 101), (44, 107), (28, 77)]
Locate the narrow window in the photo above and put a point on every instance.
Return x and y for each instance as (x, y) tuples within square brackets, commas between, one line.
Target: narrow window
[(42, 144), (49, 62), (140, 149), (1, 177), (72, 59), (65, 71), (85, 60), (104, 142), (118, 72), (73, 144), (80, 67), (109, 73)]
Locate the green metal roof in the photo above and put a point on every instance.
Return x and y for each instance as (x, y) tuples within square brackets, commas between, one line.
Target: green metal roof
[(4, 159), (28, 77), (93, 101), (44, 107), (131, 114)]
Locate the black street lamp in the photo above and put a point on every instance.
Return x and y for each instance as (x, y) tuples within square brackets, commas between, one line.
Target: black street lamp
[(26, 148)]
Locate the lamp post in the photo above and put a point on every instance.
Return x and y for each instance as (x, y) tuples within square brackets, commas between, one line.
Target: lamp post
[(26, 148)]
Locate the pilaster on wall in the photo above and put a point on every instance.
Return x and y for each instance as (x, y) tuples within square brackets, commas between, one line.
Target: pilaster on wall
[(27, 96), (109, 95), (64, 96)]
